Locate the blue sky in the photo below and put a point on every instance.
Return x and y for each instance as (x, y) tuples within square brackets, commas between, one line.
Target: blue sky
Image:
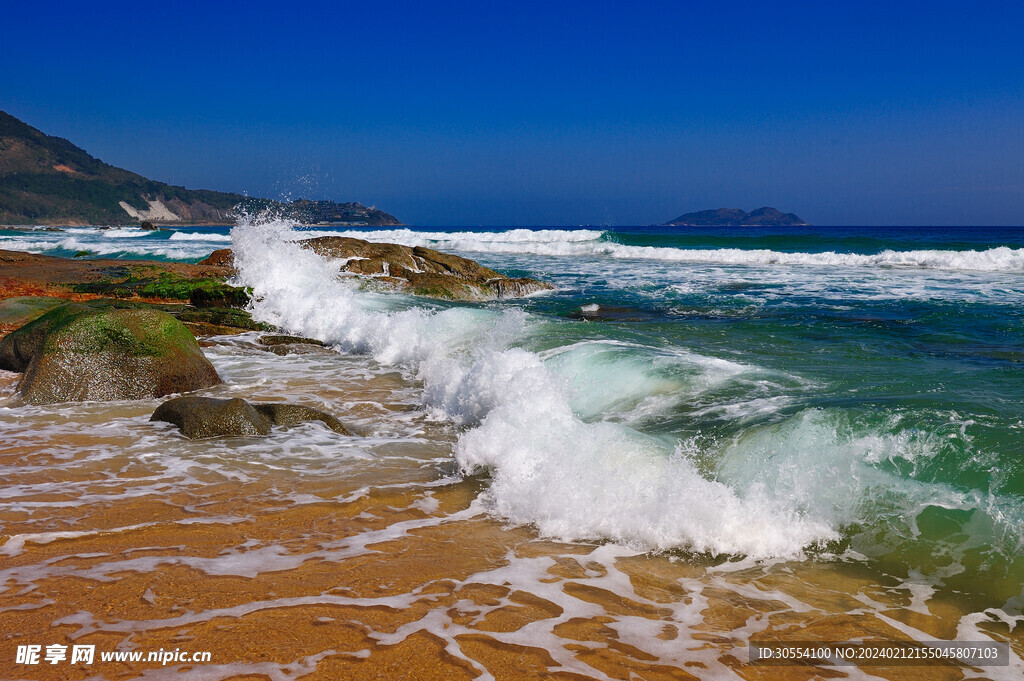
[(547, 113)]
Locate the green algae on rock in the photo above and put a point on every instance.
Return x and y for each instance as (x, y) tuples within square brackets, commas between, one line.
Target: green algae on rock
[(80, 352)]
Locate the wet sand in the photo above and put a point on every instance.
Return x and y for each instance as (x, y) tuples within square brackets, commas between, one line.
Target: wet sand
[(307, 555)]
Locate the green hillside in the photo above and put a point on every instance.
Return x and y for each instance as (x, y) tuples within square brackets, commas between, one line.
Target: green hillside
[(49, 180)]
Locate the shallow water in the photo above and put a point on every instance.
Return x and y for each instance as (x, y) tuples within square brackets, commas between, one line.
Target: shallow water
[(716, 451)]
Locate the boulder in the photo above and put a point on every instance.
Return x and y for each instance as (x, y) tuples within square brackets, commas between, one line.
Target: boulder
[(79, 352), (422, 271), (203, 417)]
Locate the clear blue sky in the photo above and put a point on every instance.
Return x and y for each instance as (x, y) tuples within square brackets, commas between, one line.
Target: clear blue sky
[(546, 113)]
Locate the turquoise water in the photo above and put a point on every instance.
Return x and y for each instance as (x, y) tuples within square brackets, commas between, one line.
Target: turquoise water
[(857, 389)]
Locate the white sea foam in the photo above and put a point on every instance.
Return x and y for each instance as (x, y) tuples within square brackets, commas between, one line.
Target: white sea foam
[(123, 233), (467, 240), (200, 236), (588, 242), (99, 243), (550, 466)]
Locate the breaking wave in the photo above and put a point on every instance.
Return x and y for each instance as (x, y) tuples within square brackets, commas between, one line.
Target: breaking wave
[(550, 427), (586, 242)]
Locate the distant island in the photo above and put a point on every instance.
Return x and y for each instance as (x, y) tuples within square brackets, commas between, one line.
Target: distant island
[(734, 217), (50, 181)]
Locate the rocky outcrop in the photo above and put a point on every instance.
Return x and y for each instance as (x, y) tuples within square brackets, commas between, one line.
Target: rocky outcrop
[(215, 308), (204, 417), (417, 270), (220, 258), (31, 274), (422, 271), (79, 352)]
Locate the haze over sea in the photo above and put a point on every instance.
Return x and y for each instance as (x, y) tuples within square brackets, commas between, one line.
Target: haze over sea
[(784, 421)]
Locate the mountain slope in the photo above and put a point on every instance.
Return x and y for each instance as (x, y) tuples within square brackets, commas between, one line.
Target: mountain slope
[(49, 180), (734, 217)]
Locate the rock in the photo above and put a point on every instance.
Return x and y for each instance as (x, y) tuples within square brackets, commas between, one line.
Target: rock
[(507, 287), (20, 310), (30, 274), (80, 352), (219, 258), (220, 296), (203, 417), (148, 226), (215, 321), (299, 349), (286, 415), (287, 340), (293, 345), (422, 271)]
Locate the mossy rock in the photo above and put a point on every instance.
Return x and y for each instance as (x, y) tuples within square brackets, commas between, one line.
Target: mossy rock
[(220, 296), (18, 348), (81, 352), (219, 320), (150, 282)]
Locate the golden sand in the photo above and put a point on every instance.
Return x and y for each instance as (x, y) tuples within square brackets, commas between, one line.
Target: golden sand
[(391, 573)]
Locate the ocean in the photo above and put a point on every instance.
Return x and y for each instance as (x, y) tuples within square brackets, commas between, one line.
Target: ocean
[(701, 437)]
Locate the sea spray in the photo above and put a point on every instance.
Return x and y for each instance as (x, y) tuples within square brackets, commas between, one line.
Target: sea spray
[(570, 478), (572, 435)]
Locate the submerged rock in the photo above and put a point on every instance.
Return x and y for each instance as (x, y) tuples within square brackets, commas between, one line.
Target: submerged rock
[(293, 345), (279, 339), (286, 415), (79, 352), (203, 417)]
